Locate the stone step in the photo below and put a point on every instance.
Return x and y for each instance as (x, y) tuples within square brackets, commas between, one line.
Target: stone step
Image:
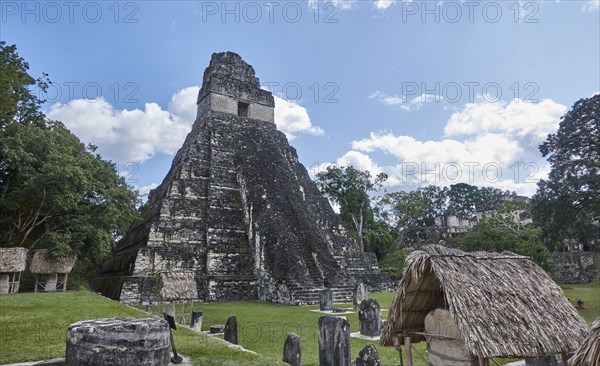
[(310, 296)]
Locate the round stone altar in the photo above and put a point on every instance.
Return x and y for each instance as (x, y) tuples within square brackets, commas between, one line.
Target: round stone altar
[(118, 342)]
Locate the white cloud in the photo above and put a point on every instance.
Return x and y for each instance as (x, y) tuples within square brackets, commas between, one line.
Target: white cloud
[(486, 144), (591, 6), (413, 104), (517, 118), (145, 190), (338, 4), (384, 4), (126, 135), (291, 119), (137, 135), (183, 104)]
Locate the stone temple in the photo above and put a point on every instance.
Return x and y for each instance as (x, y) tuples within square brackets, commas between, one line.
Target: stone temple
[(239, 210)]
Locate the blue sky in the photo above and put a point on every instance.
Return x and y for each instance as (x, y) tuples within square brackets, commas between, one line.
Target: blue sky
[(429, 92)]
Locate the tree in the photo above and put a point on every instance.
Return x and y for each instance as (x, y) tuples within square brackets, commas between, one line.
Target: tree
[(349, 188), (504, 231), (410, 214), (567, 204), (55, 192), (17, 103)]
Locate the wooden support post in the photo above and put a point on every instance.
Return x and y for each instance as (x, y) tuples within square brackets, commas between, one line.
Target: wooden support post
[(65, 283), (37, 280), (408, 351), (484, 361), (565, 358)]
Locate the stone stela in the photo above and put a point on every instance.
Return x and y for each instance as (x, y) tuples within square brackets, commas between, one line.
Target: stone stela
[(334, 341), (369, 317)]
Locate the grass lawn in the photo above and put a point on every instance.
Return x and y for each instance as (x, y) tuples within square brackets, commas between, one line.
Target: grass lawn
[(33, 326), (590, 294)]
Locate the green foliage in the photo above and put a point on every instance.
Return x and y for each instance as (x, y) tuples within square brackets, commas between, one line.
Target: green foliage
[(17, 103), (349, 188), (412, 214), (377, 237), (566, 204), (393, 263), (55, 192), (503, 231)]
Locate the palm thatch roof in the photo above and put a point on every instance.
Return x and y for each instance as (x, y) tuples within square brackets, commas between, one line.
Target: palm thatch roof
[(13, 260), (588, 353), (503, 304), (44, 263), (173, 286)]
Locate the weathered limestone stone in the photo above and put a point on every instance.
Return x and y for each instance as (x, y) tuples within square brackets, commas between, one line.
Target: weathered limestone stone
[(334, 341), (118, 342), (441, 321), (4, 283), (292, 350), (217, 328), (368, 356), (369, 317), (326, 300), (359, 294), (554, 360), (575, 267), (196, 322), (51, 282), (231, 330), (238, 209)]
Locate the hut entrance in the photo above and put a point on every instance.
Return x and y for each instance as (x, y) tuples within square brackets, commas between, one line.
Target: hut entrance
[(9, 283), (52, 273), (51, 282)]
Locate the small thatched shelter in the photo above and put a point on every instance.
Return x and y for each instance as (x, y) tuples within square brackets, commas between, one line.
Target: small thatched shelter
[(503, 304), (176, 286), (588, 353), (13, 261), (52, 273), (179, 287)]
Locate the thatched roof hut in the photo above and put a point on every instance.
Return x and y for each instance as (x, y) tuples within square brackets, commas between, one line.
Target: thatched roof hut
[(13, 260), (588, 353), (44, 263), (174, 286), (503, 304)]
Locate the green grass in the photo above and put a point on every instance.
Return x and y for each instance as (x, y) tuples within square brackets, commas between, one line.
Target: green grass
[(263, 327), (33, 326), (590, 294)]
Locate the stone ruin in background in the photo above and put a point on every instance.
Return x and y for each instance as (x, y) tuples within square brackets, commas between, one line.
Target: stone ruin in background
[(239, 210)]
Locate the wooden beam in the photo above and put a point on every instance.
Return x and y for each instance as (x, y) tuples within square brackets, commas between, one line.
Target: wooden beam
[(484, 361), (408, 351), (433, 335), (565, 358)]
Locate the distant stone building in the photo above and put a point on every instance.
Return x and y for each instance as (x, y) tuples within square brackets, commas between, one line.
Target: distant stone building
[(239, 210), (453, 223)]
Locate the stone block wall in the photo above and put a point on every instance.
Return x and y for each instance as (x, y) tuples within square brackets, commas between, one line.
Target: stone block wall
[(576, 267)]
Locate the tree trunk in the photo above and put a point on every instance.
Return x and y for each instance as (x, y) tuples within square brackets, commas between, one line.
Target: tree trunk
[(358, 226)]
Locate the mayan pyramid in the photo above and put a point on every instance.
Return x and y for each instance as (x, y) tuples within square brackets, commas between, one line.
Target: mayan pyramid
[(239, 210)]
